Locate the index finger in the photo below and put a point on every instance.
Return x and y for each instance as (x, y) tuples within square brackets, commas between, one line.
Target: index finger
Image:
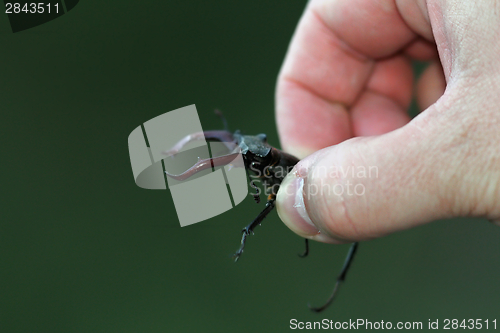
[(328, 65)]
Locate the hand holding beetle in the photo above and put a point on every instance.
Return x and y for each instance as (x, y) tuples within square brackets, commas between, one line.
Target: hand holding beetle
[(342, 95)]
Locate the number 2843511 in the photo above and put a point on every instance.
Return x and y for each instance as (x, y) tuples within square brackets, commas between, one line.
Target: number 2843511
[(31, 8)]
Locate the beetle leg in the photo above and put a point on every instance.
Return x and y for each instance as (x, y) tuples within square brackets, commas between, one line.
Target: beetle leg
[(249, 228), (203, 165), (223, 136), (256, 196), (306, 252), (340, 279)]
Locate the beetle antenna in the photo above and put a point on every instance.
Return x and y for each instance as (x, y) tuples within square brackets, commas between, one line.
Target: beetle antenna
[(221, 116), (340, 279)]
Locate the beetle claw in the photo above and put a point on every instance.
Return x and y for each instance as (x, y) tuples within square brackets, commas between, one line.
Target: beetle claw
[(223, 136), (204, 164), (237, 255)]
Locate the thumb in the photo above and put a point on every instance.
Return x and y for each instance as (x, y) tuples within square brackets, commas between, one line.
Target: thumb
[(367, 187)]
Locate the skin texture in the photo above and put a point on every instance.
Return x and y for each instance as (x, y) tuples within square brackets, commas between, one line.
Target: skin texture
[(341, 105)]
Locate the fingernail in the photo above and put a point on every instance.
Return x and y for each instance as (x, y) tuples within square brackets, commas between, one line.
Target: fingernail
[(291, 207)]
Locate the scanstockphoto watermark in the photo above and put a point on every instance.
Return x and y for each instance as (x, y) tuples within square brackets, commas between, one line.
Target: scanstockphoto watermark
[(329, 180), (357, 324)]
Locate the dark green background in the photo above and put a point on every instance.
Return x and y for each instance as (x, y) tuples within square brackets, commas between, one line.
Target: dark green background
[(83, 249)]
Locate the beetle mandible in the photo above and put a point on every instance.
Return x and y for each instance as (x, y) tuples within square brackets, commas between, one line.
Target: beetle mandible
[(270, 165)]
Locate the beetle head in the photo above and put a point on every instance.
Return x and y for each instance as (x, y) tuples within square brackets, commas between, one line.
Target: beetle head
[(254, 148), (254, 145)]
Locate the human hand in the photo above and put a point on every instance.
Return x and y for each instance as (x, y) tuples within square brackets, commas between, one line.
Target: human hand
[(346, 85)]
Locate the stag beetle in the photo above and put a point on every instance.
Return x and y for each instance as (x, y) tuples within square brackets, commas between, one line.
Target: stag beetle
[(270, 166)]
